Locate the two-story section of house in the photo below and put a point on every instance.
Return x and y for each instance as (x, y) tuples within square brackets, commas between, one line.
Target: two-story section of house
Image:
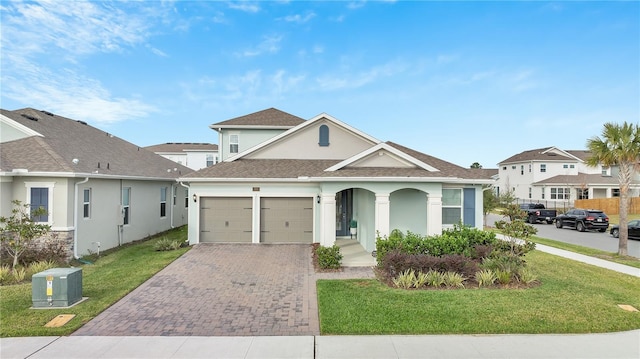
[(555, 177), (193, 155), (242, 133)]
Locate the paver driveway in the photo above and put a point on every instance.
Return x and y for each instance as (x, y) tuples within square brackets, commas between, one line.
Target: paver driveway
[(221, 289)]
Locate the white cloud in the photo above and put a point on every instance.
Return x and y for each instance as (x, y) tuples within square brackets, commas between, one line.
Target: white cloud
[(347, 80), (269, 44), (244, 6), (157, 52), (356, 4), (318, 49), (299, 18)]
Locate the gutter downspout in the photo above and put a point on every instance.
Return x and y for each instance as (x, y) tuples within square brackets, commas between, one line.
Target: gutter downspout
[(173, 204), (188, 188), (75, 217)]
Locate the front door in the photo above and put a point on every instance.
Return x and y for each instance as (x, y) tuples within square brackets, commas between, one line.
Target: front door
[(344, 205)]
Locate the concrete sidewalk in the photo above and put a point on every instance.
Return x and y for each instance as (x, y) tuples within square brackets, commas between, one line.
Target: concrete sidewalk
[(608, 345)]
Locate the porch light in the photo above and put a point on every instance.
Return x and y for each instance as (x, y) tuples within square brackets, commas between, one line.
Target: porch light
[(195, 198), (318, 198)]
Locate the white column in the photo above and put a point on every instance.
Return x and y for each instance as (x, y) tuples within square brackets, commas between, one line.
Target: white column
[(382, 214), (328, 219), (434, 215)]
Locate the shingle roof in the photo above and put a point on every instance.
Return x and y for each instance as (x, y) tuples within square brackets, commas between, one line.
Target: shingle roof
[(66, 139), (292, 168), (579, 179), (537, 155), (270, 117), (182, 147)]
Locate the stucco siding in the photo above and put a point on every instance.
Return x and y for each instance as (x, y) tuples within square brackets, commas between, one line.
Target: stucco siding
[(247, 139), (304, 145), (6, 196), (409, 211), (363, 212)]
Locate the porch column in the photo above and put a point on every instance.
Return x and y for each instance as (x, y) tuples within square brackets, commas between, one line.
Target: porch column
[(434, 215), (382, 212), (328, 219)]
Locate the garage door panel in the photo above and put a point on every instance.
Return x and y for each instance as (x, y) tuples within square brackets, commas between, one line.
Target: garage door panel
[(225, 219), (286, 220)]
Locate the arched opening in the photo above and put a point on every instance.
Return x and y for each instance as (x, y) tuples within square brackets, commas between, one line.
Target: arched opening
[(323, 136)]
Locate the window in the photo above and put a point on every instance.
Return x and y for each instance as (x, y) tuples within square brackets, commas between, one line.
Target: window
[(559, 193), (40, 199), (543, 168), (513, 167), (521, 169), (175, 194), (504, 168), (615, 192), (234, 141), (565, 166), (126, 204), (210, 161), (529, 192), (451, 205), (605, 171), (186, 198), (86, 203), (542, 194), (582, 193), (572, 166), (323, 134), (529, 167), (163, 202)]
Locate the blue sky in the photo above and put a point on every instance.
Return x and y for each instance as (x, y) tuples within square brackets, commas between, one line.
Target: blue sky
[(463, 81)]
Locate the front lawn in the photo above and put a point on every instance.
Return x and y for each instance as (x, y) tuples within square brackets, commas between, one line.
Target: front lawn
[(105, 282), (613, 257), (573, 298)]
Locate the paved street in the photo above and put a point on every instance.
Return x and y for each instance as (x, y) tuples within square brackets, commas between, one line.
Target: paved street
[(595, 239)]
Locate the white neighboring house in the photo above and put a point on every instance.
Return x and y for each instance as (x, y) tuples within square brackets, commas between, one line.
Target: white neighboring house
[(99, 190), (306, 184), (193, 155), (556, 177)]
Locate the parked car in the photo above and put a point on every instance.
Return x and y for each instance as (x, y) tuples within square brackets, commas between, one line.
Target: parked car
[(537, 213), (634, 230), (583, 219)]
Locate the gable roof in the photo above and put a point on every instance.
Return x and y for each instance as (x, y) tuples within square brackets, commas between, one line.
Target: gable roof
[(269, 118), (382, 147), (580, 179), (182, 147), (98, 153), (546, 154), (290, 132)]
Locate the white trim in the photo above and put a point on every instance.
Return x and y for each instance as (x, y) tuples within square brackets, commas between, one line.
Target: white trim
[(565, 153), (341, 179), (83, 175), (385, 147), (289, 132), (20, 127), (50, 186), (247, 127)]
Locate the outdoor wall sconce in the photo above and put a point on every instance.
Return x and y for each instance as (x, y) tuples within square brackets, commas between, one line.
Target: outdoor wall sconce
[(318, 199), (195, 198)]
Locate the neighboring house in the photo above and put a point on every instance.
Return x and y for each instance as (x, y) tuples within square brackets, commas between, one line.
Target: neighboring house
[(306, 185), (99, 190), (193, 155), (556, 177)]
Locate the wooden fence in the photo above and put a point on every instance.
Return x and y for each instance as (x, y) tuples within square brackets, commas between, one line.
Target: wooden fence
[(608, 205)]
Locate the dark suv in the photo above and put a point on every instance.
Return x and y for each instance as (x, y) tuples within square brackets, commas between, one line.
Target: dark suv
[(582, 219)]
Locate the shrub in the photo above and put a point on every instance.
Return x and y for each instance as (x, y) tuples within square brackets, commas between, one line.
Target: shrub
[(434, 278), (329, 257), (166, 244), (503, 276), (405, 279), (453, 280), (420, 280), (527, 276), (19, 274), (5, 274), (37, 267), (485, 278), (52, 249)]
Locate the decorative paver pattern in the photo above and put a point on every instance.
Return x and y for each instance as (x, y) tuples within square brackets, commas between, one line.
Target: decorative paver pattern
[(224, 290)]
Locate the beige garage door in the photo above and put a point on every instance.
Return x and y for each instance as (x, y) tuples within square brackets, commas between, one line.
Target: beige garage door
[(225, 219), (286, 220)]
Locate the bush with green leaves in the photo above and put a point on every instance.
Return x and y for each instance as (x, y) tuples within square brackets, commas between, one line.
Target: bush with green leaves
[(166, 244), (453, 280), (19, 229), (485, 278), (405, 279), (5, 274), (527, 276), (434, 278), (329, 257)]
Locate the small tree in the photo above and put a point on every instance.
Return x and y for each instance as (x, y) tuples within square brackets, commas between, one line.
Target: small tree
[(475, 165), (19, 229), (489, 202), (515, 230)]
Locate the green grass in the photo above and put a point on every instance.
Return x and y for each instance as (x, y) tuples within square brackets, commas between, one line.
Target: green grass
[(105, 282), (572, 298), (613, 257)]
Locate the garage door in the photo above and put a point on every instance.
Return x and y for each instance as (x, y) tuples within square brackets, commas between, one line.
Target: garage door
[(286, 220), (225, 219)]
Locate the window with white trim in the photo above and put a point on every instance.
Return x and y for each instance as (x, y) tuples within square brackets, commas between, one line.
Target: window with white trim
[(210, 160), (40, 195), (163, 202), (186, 198), (521, 169), (234, 143), (543, 168), (323, 134), (529, 192), (126, 205), (86, 203), (582, 193), (615, 192), (559, 193), (451, 206)]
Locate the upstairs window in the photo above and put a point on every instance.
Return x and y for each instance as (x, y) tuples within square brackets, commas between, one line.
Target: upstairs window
[(521, 169), (210, 161), (323, 134), (234, 141), (543, 168)]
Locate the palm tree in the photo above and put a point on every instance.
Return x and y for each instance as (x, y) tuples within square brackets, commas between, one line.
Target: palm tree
[(619, 146)]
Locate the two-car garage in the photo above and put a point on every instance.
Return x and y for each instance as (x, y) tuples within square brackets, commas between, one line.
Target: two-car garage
[(281, 219)]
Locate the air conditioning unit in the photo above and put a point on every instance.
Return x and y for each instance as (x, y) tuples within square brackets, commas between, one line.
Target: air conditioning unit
[(56, 287)]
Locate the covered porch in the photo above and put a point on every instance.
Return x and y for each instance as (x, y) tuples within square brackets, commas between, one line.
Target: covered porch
[(354, 254)]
